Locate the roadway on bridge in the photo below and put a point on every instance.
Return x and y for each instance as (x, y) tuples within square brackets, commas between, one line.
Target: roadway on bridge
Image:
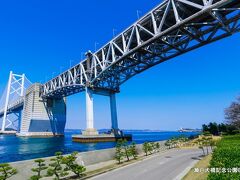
[(168, 165)]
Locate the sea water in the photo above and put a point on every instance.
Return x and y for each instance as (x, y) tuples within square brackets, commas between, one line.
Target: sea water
[(14, 148)]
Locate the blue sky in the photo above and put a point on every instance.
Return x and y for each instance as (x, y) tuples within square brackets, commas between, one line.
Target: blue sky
[(41, 37)]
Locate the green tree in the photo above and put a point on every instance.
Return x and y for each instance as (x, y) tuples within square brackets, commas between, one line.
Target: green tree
[(70, 162), (230, 129), (222, 127), (133, 150), (151, 147), (40, 167), (205, 128), (6, 171), (205, 143), (213, 128), (212, 144), (126, 149), (199, 143), (145, 148), (202, 148), (168, 144), (157, 146), (56, 167), (119, 151)]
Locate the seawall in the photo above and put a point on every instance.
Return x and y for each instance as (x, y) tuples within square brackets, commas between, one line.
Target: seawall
[(84, 158)]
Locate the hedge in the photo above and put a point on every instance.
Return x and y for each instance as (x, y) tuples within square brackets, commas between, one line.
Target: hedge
[(225, 158)]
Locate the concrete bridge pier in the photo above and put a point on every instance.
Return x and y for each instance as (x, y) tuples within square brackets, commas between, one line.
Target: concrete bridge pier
[(89, 114), (90, 130)]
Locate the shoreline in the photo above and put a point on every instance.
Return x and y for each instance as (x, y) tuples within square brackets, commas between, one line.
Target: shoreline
[(24, 148), (92, 160)]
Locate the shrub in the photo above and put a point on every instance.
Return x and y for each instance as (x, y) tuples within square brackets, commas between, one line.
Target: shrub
[(6, 171), (236, 131), (207, 133), (226, 156)]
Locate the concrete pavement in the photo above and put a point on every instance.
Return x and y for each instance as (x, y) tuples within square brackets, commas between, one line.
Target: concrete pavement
[(169, 165)]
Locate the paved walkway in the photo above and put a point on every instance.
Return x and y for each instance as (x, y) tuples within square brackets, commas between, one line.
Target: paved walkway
[(169, 165)]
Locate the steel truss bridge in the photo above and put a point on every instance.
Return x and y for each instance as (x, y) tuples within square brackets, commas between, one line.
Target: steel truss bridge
[(172, 28)]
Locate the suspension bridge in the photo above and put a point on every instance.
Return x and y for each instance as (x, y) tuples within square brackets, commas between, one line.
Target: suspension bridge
[(172, 28)]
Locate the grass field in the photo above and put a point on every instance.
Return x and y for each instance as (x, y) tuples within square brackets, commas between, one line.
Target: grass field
[(203, 163)]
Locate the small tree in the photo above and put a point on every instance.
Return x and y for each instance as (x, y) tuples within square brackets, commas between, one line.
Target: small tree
[(157, 146), (145, 148), (212, 144), (133, 150), (151, 147), (39, 169), (126, 149), (70, 162), (6, 171), (119, 154), (200, 143), (168, 144), (201, 147), (56, 167), (232, 113)]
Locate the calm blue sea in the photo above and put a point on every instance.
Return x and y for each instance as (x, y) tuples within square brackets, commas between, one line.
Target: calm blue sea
[(14, 148)]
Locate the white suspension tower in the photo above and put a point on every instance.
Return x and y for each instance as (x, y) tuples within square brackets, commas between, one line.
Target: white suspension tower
[(15, 86)]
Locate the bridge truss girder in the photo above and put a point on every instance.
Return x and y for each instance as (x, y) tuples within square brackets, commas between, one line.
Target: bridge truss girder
[(169, 30)]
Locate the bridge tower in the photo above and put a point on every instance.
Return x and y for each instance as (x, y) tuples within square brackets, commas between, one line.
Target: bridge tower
[(13, 98), (42, 117)]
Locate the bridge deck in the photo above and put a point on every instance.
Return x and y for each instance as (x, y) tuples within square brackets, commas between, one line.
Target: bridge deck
[(172, 28), (13, 106)]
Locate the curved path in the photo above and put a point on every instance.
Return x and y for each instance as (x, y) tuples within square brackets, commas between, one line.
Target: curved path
[(172, 164)]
